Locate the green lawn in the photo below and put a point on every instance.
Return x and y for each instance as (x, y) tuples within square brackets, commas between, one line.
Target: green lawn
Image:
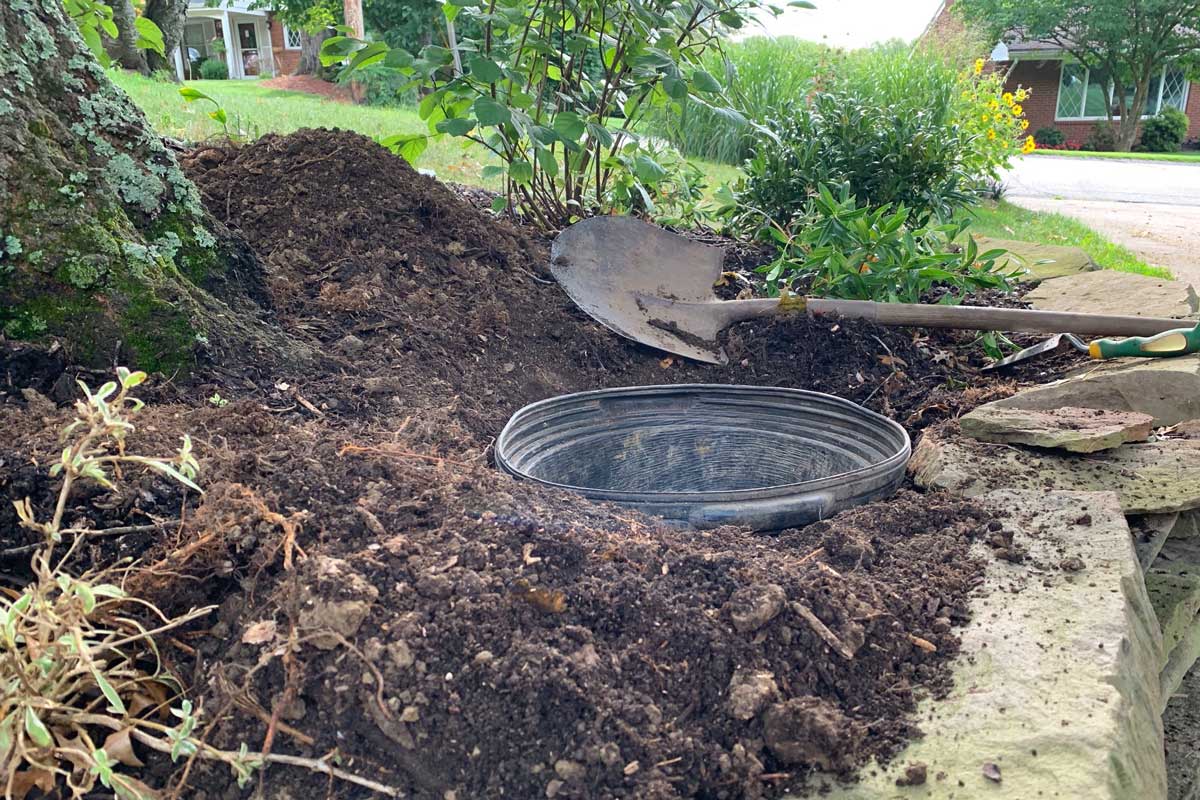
[(255, 109), (258, 110), (1190, 156), (1004, 220)]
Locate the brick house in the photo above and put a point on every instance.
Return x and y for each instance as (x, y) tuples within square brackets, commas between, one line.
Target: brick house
[(1065, 94), (251, 41)]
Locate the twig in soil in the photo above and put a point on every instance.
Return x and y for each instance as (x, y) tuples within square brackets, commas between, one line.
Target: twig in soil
[(821, 630), (300, 399), (253, 708), (121, 531), (389, 452), (318, 160), (820, 551), (313, 764)]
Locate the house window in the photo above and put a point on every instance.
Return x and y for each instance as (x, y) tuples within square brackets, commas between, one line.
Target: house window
[(1086, 94), (196, 48), (291, 38)]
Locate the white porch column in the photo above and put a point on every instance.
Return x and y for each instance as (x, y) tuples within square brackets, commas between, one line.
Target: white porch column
[(179, 60), (266, 51), (232, 56)]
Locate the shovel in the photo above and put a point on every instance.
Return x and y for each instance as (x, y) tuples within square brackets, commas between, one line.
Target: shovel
[(656, 287)]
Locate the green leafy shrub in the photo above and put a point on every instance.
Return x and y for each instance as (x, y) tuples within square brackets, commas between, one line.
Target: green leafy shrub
[(1165, 131), (558, 93), (1049, 137), (214, 69), (841, 248), (899, 128), (885, 157), (1102, 139), (384, 87)]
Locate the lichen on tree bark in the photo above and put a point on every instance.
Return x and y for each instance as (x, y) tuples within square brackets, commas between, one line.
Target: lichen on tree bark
[(104, 243)]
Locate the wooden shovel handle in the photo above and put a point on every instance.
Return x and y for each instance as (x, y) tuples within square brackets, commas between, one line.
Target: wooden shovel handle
[(992, 319)]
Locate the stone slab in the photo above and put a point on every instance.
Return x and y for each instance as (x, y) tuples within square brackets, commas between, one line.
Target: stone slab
[(1041, 261), (1150, 533), (1150, 478), (1175, 595), (1182, 545), (1111, 292), (1057, 684), (1167, 389), (1078, 430), (1182, 658)]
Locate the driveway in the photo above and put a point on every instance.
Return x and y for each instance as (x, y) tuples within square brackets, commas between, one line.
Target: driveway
[(1151, 207)]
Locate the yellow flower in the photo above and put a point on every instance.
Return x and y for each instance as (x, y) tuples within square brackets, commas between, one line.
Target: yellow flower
[(999, 118), (1017, 110), (991, 133), (1021, 95), (1024, 124), (1007, 98), (985, 117), (993, 104), (1029, 146), (978, 65), (966, 94)]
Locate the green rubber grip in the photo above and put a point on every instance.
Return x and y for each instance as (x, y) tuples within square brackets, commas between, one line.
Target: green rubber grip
[(1178, 342)]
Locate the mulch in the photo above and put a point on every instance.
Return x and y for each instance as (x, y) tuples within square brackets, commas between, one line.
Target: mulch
[(310, 84)]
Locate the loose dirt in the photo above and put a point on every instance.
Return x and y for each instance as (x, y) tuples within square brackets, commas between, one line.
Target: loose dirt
[(383, 592)]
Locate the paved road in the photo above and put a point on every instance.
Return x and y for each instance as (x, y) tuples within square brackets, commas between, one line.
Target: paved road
[(1166, 182), (1151, 207)]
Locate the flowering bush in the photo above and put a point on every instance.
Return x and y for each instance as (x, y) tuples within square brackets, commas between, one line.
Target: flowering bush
[(900, 128), (992, 120)]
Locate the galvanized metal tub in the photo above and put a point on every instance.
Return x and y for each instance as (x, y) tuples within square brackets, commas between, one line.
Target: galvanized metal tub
[(704, 455)]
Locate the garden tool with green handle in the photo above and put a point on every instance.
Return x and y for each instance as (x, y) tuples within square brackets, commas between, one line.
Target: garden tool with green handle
[(1178, 342), (1174, 342)]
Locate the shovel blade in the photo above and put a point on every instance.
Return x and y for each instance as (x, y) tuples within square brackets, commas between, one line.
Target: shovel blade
[(605, 264)]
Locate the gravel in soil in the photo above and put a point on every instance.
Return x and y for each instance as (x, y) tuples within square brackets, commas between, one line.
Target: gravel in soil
[(453, 633)]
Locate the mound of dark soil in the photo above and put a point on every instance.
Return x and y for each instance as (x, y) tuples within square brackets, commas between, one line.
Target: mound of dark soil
[(430, 301), (385, 594), (452, 630)]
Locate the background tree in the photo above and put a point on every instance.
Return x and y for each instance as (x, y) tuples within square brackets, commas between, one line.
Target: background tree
[(314, 19), (123, 48), (126, 44), (105, 244), (1126, 41), (169, 16)]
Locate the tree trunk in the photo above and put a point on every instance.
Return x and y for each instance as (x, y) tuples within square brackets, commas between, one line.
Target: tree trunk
[(106, 246), (352, 12), (168, 15), (310, 52), (1131, 114), (124, 49)]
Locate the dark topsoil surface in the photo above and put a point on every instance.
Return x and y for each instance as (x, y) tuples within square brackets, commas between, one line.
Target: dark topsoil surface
[(457, 634)]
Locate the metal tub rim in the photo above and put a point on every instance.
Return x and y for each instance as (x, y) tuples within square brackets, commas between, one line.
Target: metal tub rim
[(881, 476)]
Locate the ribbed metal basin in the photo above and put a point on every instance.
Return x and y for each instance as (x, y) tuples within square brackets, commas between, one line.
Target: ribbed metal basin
[(706, 455)]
